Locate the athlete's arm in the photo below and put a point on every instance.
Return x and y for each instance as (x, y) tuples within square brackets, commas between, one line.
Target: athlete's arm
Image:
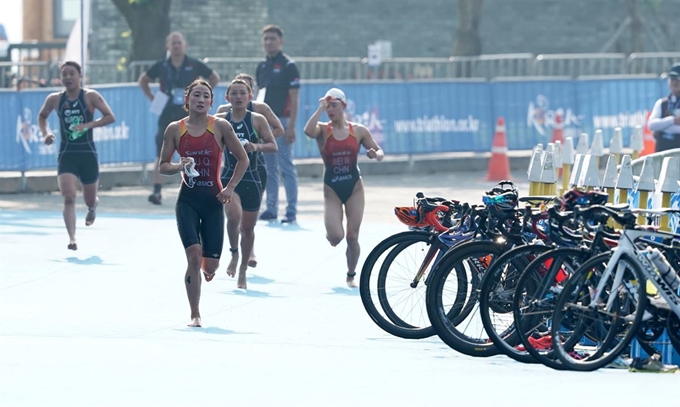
[(373, 150), (232, 143), (47, 107), (93, 98), (165, 167), (268, 113), (313, 128), (262, 128)]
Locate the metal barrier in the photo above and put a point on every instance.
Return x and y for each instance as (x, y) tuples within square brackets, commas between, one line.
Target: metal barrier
[(100, 72), (575, 65), (26, 74), (356, 68), (651, 62)]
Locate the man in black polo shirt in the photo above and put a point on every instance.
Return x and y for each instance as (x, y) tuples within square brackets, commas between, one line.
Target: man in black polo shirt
[(174, 74), (278, 77)]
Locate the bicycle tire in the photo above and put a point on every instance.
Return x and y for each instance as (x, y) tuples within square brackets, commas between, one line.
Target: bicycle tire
[(575, 298), (533, 308), (399, 295), (673, 330), (382, 250), (437, 310), (496, 296)]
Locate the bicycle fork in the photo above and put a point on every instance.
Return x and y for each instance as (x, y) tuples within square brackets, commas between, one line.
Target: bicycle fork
[(434, 252)]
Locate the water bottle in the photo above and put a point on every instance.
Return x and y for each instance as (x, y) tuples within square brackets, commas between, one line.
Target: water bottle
[(664, 268)]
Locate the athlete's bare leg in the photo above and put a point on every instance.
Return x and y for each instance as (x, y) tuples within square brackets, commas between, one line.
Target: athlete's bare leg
[(234, 213), (91, 200), (248, 221), (68, 185), (210, 268), (354, 209), (192, 281), (332, 216)]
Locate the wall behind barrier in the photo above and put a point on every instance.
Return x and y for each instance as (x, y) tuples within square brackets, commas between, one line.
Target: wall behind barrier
[(404, 117)]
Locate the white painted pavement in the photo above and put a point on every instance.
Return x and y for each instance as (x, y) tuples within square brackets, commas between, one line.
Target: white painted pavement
[(105, 326)]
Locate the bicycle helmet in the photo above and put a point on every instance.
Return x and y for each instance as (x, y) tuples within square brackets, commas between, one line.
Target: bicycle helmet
[(503, 187), (503, 197), (409, 216), (576, 197)]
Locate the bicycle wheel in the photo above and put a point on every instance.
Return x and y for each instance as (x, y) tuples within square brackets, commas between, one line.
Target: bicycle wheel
[(673, 330), (414, 249), (534, 301), (401, 295), (465, 333), (599, 332), (496, 295)]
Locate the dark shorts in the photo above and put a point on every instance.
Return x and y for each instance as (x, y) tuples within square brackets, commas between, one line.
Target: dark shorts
[(250, 193), (201, 224), (83, 165), (262, 172)]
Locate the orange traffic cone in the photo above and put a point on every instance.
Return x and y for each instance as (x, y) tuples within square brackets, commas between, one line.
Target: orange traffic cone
[(648, 137), (558, 129), (499, 164)]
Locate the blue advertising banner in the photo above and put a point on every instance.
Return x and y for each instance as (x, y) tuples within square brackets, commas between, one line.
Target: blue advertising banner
[(531, 107), (413, 117), (607, 104), (404, 117)]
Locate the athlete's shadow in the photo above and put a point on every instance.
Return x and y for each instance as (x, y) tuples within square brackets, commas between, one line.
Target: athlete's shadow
[(92, 260), (213, 330), (352, 292), (251, 293), (255, 279), (289, 227)]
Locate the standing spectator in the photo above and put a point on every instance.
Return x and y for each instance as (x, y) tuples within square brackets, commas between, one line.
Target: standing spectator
[(279, 79), (174, 73), (664, 120)]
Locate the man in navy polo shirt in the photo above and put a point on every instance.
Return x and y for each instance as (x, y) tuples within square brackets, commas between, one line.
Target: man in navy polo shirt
[(174, 74), (664, 120), (278, 77)]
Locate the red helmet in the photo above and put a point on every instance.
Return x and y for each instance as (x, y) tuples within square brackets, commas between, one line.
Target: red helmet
[(409, 216)]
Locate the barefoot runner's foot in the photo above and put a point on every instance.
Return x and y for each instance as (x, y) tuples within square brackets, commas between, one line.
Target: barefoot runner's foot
[(241, 281), (231, 268), (350, 280)]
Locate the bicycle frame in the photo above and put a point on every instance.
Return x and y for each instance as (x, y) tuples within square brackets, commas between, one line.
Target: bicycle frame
[(627, 248)]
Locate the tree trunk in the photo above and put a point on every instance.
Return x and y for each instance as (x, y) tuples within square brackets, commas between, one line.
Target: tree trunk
[(467, 42), (149, 22), (636, 29)]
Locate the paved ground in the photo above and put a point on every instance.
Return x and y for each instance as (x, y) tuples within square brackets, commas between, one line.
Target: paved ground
[(106, 325), (383, 193)]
